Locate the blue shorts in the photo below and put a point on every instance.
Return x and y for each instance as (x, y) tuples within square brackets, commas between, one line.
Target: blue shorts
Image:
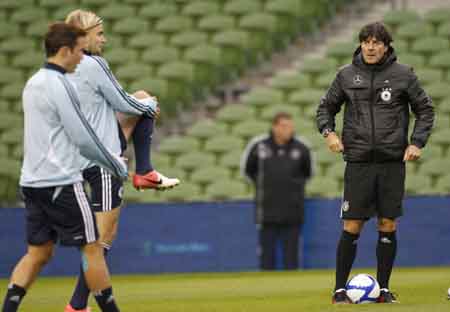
[(59, 214)]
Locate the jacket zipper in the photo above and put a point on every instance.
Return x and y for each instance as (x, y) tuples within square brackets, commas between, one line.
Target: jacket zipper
[(372, 119)]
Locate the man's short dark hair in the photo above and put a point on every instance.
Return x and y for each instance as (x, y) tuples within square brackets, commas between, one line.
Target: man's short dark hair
[(376, 30), (61, 35), (280, 115)]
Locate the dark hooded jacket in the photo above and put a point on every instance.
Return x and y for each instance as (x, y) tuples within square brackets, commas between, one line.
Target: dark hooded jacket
[(378, 99)]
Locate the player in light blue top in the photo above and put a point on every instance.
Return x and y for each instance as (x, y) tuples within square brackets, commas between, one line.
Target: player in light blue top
[(56, 135)]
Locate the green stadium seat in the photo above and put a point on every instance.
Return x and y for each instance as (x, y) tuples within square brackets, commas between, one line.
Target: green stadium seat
[(159, 55), (206, 60), (428, 75), (37, 30), (414, 30), (289, 81), (51, 5), (129, 26), (10, 168), (323, 187), (234, 113), (341, 52), (157, 10), (185, 192), (16, 45), (120, 56), (306, 97), (179, 76), (233, 44), (4, 107), (216, 23), (95, 3), (17, 152), (326, 158), (198, 9), (438, 91), (8, 30), (325, 80), (173, 24), (14, 4), (207, 175), (443, 184), (444, 108), (441, 121), (417, 184), (148, 40), (223, 144), (287, 19), (336, 170), (9, 121), (228, 190), (261, 97), (441, 61), (132, 72), (12, 136), (442, 137), (400, 46), (9, 74), (114, 11), (261, 27), (314, 67), (156, 87), (231, 160), (175, 145), (161, 161), (437, 17), (396, 18), (61, 12), (206, 129), (269, 112), (411, 59), (429, 46), (28, 15), (190, 38), (194, 160), (12, 91), (239, 8), (444, 30), (29, 60), (430, 153), (250, 128), (114, 42), (4, 151)]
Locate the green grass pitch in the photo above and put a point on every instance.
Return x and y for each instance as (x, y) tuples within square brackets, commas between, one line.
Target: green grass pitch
[(419, 289)]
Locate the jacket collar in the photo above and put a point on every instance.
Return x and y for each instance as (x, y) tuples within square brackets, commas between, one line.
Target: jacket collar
[(273, 143), (389, 58), (53, 66)]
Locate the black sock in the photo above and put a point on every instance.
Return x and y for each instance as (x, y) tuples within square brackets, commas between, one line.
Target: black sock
[(142, 141), (386, 251), (345, 255), (105, 300), (13, 298), (81, 293)]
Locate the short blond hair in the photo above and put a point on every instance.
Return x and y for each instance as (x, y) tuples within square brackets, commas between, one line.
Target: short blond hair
[(85, 20)]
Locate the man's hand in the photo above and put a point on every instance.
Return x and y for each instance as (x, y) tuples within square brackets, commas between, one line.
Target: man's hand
[(334, 143), (412, 153)]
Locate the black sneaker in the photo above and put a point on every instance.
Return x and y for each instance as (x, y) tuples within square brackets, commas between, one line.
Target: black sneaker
[(340, 297), (386, 297)]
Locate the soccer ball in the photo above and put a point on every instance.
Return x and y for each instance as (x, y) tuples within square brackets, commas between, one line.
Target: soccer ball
[(363, 288)]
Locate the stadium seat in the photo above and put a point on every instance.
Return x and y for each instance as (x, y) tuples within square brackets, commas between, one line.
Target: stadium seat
[(61, 12), (442, 137), (129, 26), (28, 15), (206, 61), (156, 11), (341, 52), (411, 59), (444, 30), (160, 160), (8, 30), (179, 75), (14, 4), (132, 195), (323, 187), (336, 170), (396, 18), (216, 23), (190, 38), (289, 81), (227, 190), (156, 87), (10, 168), (12, 136), (429, 46), (306, 97), (175, 145), (326, 158), (269, 112), (239, 8), (223, 144), (250, 128), (231, 160), (287, 23), (437, 17), (206, 175), (159, 55), (442, 121), (16, 45), (428, 75), (51, 5), (12, 91), (233, 45), (443, 184), (417, 184), (261, 97), (29, 60), (9, 74), (400, 46), (4, 107), (37, 30), (147, 41), (117, 57), (95, 3), (198, 9), (234, 113), (173, 24), (438, 91), (193, 160), (113, 12), (185, 192), (132, 72), (441, 61), (4, 151), (430, 153), (206, 129), (325, 80), (314, 67), (414, 30)]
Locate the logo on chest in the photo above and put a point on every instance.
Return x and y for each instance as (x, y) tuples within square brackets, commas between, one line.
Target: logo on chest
[(386, 94)]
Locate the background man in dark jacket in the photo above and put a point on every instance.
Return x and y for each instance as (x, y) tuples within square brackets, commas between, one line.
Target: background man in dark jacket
[(378, 93), (279, 165)]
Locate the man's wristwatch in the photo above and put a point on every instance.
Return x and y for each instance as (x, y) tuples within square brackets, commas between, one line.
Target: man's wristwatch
[(326, 132)]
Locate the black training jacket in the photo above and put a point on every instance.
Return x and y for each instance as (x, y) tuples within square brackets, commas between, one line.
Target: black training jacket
[(279, 174), (378, 99)]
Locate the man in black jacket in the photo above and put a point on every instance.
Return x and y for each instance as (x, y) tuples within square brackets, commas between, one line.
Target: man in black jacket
[(279, 165), (378, 93)]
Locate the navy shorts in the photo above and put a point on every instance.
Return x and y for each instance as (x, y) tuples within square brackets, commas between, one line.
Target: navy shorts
[(106, 190), (373, 189), (59, 214)]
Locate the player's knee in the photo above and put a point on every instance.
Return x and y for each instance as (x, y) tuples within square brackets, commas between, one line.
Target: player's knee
[(109, 233), (141, 94), (353, 226), (41, 257), (387, 225)]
